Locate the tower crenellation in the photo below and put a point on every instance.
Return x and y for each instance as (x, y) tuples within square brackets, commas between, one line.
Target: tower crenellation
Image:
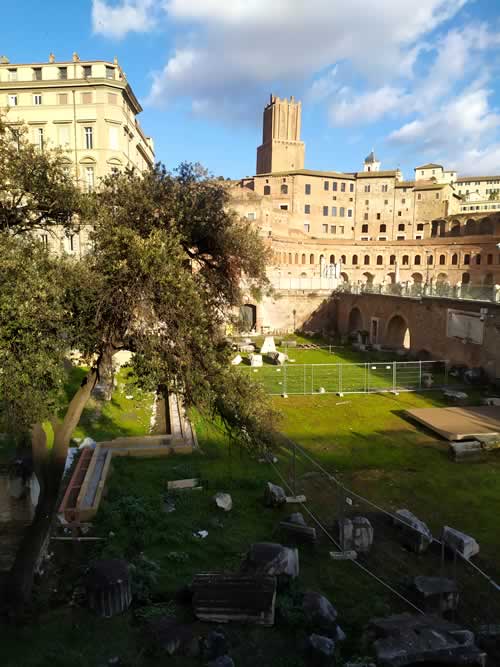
[(281, 149)]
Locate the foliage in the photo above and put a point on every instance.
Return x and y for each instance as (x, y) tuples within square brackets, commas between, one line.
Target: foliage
[(144, 574), (150, 612)]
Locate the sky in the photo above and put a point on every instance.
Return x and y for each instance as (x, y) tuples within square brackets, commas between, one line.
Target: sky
[(416, 80)]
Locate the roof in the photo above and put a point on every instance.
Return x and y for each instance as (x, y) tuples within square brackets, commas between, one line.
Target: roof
[(377, 174), (405, 184), (431, 165), (309, 172), (468, 179), (370, 159), (429, 186)]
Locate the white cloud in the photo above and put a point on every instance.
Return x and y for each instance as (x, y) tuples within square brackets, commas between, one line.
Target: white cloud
[(368, 107), (239, 50), (116, 21)]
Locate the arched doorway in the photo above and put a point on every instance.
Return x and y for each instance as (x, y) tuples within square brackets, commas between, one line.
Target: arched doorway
[(345, 277), (369, 277), (248, 317), (392, 278), (397, 333), (355, 320)]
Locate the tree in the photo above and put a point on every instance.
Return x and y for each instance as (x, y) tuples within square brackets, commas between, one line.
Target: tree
[(163, 275)]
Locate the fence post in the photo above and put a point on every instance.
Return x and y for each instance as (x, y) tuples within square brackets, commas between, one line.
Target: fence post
[(340, 379), (394, 376), (420, 375), (284, 380), (367, 381), (304, 367), (446, 373), (312, 378)]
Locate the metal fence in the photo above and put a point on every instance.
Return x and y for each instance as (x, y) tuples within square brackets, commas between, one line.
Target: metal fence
[(360, 378), (418, 290)]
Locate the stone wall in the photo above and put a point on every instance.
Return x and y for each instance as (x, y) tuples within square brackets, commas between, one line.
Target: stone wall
[(275, 314)]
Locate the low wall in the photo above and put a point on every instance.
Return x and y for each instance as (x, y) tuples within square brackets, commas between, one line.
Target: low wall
[(288, 310)]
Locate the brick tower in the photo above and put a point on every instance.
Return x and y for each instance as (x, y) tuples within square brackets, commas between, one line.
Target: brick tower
[(282, 149)]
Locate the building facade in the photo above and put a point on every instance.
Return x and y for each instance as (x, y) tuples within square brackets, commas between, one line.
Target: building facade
[(369, 226), (87, 109)]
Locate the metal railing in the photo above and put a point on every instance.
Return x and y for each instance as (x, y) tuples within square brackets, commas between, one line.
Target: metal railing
[(419, 290), (360, 378)]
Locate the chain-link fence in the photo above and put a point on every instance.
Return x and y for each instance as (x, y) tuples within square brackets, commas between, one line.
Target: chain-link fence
[(360, 378)]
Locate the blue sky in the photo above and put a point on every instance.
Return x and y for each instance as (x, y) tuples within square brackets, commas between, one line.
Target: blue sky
[(418, 80)]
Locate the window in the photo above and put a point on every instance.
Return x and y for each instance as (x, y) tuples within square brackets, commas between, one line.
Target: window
[(307, 208), (334, 186), (419, 196), (351, 187), (342, 187), (401, 227), (63, 135), (343, 259), (466, 259), (303, 259), (420, 227), (308, 188), (367, 188), (365, 217), (386, 201), (380, 260), (311, 259), (284, 207), (364, 229), (37, 99), (71, 242), (403, 201), (87, 71), (110, 72), (367, 202), (378, 216), (324, 229), (454, 259), (406, 260), (37, 73), (342, 212), (383, 228), (392, 260), (400, 213), (326, 185), (418, 260), (307, 227), (113, 137), (251, 216), (89, 178), (341, 229), (489, 259), (385, 188), (325, 210), (442, 259), (39, 137), (366, 259), (355, 260), (478, 259), (62, 98), (12, 74), (430, 260), (437, 195), (400, 237), (349, 212), (12, 100), (284, 189), (63, 73), (267, 190), (333, 230), (89, 138), (334, 210), (86, 98)]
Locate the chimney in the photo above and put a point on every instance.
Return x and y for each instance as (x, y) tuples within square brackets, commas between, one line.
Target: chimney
[(52, 58)]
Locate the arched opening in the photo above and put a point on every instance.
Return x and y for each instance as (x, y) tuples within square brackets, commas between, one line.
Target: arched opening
[(442, 260), (380, 260), (343, 259), (303, 259), (355, 260), (355, 320), (488, 279), (397, 333), (267, 189), (392, 260), (417, 278), (248, 317), (465, 278), (296, 258), (455, 229), (332, 259), (392, 277), (478, 260), (467, 259), (470, 227), (486, 226), (366, 260), (430, 260), (321, 259), (311, 259), (284, 189), (418, 260), (454, 259), (406, 260), (290, 258), (368, 277), (441, 278), (345, 277), (303, 274)]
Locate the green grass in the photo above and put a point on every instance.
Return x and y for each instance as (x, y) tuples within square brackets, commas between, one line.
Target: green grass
[(366, 442), (121, 416)]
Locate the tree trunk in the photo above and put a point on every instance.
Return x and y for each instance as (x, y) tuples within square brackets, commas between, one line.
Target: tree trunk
[(49, 467)]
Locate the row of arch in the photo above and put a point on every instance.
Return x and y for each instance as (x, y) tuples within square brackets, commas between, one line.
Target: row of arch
[(418, 279), (458, 228), (442, 259), (396, 333)]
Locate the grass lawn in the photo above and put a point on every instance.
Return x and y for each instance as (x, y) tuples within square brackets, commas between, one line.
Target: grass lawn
[(362, 439)]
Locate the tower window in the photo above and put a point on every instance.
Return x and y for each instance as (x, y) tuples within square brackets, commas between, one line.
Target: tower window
[(334, 186), (307, 207), (342, 212), (351, 187), (325, 210), (326, 185), (364, 229), (342, 187), (307, 188), (284, 189), (267, 189), (367, 188), (89, 138)]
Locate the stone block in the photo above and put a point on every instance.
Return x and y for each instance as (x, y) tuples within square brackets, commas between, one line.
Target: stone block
[(460, 542)]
